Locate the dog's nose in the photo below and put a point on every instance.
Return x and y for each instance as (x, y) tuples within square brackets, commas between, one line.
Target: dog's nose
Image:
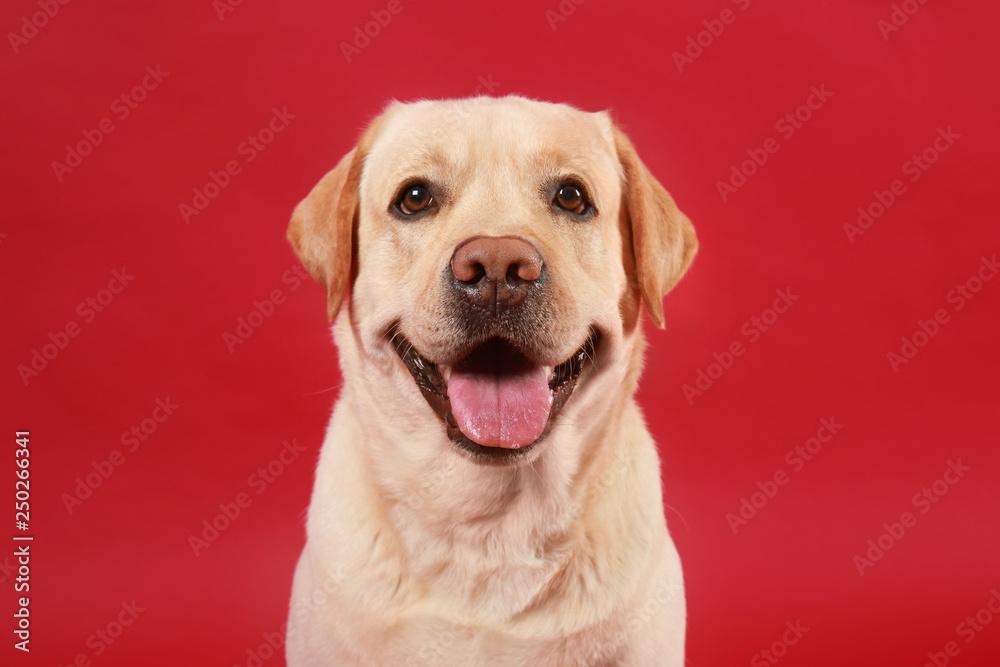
[(495, 270)]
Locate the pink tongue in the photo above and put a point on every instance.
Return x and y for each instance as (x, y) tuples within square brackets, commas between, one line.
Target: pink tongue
[(501, 411)]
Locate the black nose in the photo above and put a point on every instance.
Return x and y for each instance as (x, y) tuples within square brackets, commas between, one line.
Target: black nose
[(495, 271)]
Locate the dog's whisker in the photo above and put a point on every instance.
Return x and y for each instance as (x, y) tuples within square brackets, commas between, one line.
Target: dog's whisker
[(500, 489), (323, 391), (535, 470), (677, 512)]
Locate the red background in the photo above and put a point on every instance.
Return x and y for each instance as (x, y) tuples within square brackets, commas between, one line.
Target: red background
[(826, 357)]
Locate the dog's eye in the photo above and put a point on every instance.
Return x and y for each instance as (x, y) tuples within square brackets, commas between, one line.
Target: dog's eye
[(415, 199), (570, 198)]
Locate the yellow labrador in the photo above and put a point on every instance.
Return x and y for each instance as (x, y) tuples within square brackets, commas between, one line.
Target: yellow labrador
[(488, 493)]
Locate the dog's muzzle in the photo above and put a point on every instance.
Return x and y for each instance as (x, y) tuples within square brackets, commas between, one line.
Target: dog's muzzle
[(496, 401)]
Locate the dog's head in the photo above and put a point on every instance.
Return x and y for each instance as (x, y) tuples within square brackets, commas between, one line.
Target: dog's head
[(499, 250)]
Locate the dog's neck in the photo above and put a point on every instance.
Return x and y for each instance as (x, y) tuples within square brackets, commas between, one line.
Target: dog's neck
[(489, 540)]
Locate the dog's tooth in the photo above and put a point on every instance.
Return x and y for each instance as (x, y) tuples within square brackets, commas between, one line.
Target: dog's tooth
[(445, 371), (548, 372)]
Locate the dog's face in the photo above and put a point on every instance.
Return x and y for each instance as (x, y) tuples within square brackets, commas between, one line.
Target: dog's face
[(497, 249)]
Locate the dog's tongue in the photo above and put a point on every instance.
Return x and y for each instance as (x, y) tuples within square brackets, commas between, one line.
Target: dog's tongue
[(508, 410)]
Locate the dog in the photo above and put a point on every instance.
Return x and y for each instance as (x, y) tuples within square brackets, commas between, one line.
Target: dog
[(487, 492)]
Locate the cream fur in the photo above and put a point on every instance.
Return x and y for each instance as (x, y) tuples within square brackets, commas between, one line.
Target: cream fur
[(415, 554)]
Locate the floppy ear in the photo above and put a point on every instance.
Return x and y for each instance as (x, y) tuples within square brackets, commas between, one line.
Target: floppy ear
[(663, 239), (322, 226)]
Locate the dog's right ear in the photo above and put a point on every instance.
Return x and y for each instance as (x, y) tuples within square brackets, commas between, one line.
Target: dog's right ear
[(322, 228), (324, 223)]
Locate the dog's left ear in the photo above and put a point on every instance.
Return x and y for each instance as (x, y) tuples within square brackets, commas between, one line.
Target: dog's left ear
[(663, 239), (323, 224)]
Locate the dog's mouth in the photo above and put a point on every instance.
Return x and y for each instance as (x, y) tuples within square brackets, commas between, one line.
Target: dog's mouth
[(495, 403)]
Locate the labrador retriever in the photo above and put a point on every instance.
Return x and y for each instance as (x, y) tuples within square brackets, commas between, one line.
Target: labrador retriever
[(487, 492)]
